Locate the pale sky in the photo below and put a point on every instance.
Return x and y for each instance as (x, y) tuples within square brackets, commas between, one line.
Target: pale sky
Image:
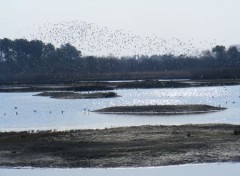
[(201, 20)]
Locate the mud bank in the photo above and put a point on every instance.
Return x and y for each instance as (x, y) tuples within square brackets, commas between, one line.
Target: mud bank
[(160, 109), (73, 95), (122, 147)]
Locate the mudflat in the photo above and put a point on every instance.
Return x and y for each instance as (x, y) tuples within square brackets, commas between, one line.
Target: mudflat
[(122, 147), (160, 109), (74, 95)]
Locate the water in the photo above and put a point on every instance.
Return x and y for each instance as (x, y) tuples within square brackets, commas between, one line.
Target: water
[(48, 115), (48, 112), (185, 170)]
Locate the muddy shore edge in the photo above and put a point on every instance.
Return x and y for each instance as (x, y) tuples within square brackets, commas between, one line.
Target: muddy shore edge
[(122, 147)]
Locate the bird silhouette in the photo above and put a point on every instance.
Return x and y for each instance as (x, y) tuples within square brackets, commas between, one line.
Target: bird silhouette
[(92, 39)]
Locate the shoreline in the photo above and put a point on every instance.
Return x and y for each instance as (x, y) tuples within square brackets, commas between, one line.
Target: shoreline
[(120, 168), (110, 86), (141, 146)]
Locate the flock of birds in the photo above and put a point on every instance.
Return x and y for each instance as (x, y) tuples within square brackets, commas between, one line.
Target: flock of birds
[(92, 39), (85, 110)]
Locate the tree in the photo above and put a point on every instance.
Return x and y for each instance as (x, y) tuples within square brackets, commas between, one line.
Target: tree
[(233, 52), (68, 52), (36, 48), (5, 47), (21, 47), (219, 51), (48, 51)]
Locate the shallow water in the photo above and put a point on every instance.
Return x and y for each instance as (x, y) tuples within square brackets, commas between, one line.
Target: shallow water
[(185, 170), (48, 115), (48, 112)]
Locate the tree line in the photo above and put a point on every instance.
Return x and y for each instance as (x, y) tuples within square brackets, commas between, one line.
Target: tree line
[(23, 58)]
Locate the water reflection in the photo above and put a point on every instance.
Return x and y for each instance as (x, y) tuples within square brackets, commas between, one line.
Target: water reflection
[(22, 111)]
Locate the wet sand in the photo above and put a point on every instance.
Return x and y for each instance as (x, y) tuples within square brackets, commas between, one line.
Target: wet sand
[(122, 147)]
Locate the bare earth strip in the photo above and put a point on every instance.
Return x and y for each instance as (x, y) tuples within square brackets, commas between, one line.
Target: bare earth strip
[(122, 147)]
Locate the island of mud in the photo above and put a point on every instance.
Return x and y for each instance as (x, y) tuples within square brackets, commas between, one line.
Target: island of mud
[(74, 95), (160, 109), (122, 147)]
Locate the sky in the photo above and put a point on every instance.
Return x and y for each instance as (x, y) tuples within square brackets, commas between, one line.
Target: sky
[(200, 20)]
